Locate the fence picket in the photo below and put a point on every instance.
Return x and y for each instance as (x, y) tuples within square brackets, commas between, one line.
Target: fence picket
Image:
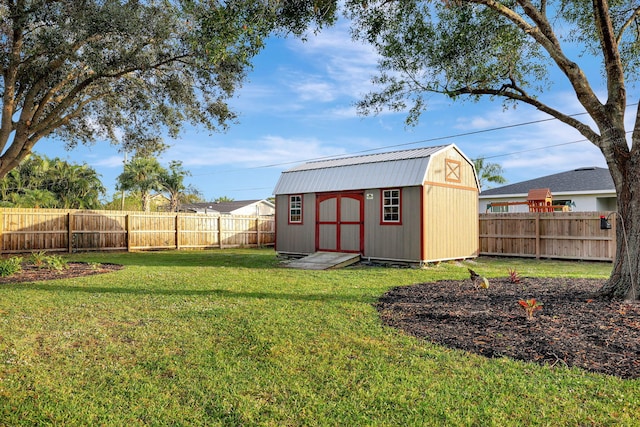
[(27, 230), (562, 235)]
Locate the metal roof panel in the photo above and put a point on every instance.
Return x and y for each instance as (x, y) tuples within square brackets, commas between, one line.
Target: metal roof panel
[(395, 169)]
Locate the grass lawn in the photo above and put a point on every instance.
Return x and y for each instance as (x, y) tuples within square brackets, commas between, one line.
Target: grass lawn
[(229, 338)]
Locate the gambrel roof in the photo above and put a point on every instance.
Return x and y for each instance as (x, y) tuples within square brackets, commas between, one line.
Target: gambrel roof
[(393, 169)]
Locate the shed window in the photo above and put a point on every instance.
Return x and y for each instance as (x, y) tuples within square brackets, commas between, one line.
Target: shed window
[(295, 209), (391, 206)]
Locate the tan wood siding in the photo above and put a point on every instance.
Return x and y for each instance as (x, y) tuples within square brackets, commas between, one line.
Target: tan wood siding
[(439, 170), (450, 223)]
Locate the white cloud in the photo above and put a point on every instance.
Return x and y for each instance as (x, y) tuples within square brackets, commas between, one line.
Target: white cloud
[(529, 145), (109, 162), (347, 64), (268, 151), (315, 90)]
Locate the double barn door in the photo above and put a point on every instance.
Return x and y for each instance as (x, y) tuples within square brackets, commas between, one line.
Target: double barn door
[(340, 222)]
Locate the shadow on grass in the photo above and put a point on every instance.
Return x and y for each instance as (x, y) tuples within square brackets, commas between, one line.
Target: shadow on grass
[(222, 293), (242, 258)]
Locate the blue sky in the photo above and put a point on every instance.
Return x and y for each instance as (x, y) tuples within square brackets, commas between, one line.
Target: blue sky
[(298, 104)]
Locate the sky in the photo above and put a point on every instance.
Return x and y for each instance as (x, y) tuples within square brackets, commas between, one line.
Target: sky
[(298, 104)]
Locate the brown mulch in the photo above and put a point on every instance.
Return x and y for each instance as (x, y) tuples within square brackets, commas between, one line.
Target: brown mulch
[(573, 328), (31, 273)]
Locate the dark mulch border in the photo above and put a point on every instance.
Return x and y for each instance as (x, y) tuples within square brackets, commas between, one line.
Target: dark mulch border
[(31, 273), (572, 329)]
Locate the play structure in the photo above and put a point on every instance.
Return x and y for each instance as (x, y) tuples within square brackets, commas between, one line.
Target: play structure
[(538, 200)]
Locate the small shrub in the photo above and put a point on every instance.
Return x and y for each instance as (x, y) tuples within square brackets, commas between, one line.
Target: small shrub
[(95, 265), (514, 277), (56, 262), (530, 306), (39, 259), (10, 266)]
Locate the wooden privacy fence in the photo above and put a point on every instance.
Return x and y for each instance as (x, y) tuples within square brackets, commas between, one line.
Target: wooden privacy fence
[(28, 230), (563, 235)]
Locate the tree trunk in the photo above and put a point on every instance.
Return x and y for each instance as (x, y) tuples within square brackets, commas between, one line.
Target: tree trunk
[(146, 201), (8, 163), (625, 275)]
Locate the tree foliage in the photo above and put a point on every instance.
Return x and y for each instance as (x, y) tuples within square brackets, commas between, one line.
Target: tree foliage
[(142, 175), (223, 199), (172, 182), (51, 183), (488, 172), (514, 50), (129, 70)]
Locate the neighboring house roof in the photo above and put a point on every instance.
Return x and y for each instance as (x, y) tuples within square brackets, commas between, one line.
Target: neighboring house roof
[(582, 180), (393, 169), (221, 207), (159, 197)]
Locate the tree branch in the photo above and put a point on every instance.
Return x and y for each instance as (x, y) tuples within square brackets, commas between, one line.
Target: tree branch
[(67, 100), (635, 136), (613, 63), (627, 24), (520, 96), (544, 35), (10, 75)]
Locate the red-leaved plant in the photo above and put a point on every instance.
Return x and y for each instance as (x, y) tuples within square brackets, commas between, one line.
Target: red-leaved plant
[(514, 277), (530, 306)]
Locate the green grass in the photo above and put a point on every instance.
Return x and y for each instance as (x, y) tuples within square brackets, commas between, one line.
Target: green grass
[(229, 338)]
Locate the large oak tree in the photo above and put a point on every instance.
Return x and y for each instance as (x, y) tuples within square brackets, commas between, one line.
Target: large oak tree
[(129, 70), (508, 49)]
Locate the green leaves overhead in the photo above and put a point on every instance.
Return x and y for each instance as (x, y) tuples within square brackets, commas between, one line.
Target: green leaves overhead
[(444, 48), (87, 70), (504, 49)]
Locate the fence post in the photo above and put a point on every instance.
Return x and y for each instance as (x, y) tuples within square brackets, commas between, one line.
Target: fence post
[(220, 231), (537, 235), (258, 231), (127, 231), (70, 231), (177, 226), (1, 232)]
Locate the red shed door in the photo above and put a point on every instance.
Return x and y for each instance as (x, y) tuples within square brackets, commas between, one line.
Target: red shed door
[(340, 222)]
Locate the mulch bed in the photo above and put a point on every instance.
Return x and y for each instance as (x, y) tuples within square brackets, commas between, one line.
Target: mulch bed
[(572, 328), (31, 273)]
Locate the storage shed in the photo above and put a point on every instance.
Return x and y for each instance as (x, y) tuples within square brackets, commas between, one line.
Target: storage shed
[(418, 205)]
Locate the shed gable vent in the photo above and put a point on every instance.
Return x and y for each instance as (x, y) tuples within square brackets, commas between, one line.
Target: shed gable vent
[(452, 170)]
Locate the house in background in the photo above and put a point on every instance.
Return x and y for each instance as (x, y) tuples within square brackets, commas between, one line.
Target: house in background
[(238, 207), (417, 205), (158, 202), (583, 189)]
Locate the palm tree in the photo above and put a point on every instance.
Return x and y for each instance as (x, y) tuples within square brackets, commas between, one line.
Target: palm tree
[(35, 198), (172, 182), (488, 172), (72, 186), (141, 174), (77, 186)]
